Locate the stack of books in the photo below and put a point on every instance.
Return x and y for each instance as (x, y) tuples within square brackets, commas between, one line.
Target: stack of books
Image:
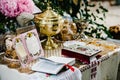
[(80, 51)]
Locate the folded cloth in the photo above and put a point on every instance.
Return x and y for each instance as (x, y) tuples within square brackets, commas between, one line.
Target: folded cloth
[(67, 75)]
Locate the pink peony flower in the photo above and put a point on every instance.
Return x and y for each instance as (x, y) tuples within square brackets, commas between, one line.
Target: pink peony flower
[(12, 8)]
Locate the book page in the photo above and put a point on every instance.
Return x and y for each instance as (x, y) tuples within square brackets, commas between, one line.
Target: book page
[(47, 67), (64, 60)]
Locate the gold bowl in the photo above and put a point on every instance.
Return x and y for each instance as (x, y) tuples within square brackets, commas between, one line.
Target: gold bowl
[(12, 63), (49, 23)]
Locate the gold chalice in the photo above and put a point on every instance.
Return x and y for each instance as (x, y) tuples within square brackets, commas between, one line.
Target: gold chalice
[(50, 24)]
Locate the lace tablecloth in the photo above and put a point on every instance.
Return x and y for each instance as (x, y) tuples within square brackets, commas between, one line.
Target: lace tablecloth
[(67, 75), (103, 68)]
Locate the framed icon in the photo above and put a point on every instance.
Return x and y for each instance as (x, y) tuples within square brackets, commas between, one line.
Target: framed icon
[(33, 44), (28, 46), (21, 51)]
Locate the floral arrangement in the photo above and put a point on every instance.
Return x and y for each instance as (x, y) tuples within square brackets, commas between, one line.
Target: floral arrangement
[(12, 8), (96, 32), (9, 10), (82, 11)]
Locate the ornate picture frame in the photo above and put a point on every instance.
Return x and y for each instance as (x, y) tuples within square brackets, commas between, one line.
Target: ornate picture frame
[(33, 44), (21, 51), (28, 46)]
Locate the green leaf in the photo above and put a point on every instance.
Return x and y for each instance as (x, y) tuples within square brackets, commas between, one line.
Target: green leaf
[(82, 4), (101, 18), (93, 16), (97, 10), (88, 10), (2, 30), (104, 15), (104, 9), (91, 5)]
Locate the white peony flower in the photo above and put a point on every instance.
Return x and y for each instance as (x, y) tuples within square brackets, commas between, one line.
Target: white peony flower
[(103, 35), (89, 30), (99, 31), (92, 26), (66, 14), (94, 35)]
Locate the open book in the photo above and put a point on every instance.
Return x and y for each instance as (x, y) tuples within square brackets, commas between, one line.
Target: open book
[(63, 60), (52, 65)]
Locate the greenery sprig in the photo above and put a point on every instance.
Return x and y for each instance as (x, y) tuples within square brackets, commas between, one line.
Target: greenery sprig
[(78, 9), (82, 9)]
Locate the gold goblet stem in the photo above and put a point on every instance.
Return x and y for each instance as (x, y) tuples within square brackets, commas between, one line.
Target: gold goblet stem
[(50, 43)]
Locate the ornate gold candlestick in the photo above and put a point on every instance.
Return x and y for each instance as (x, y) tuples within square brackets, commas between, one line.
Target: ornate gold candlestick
[(49, 23)]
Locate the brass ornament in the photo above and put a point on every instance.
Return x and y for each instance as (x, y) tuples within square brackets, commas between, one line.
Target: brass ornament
[(10, 56), (69, 30), (50, 24)]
